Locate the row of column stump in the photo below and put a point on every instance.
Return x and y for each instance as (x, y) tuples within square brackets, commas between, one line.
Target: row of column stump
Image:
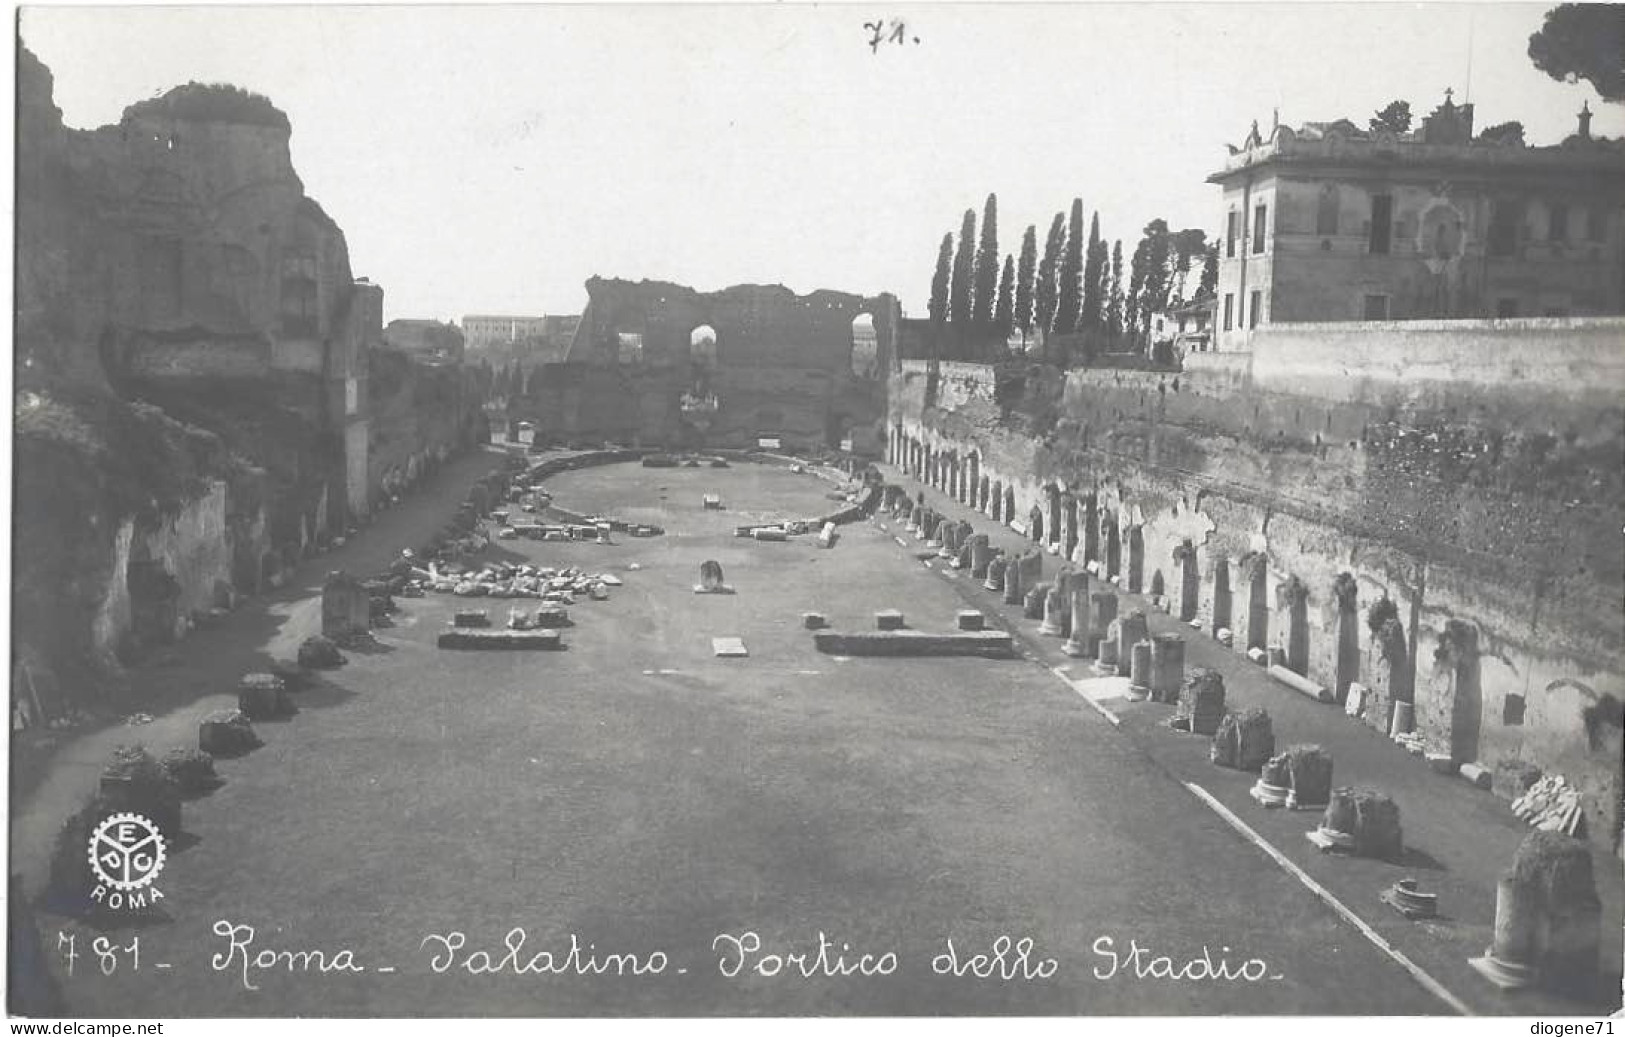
[(1547, 919)]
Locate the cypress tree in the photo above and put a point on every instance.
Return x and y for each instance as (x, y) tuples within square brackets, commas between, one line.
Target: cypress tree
[(1094, 279), (960, 286), (1048, 271), (939, 285), (987, 265), (1004, 315), (1210, 273), (1069, 301), (1026, 270), (1114, 296)]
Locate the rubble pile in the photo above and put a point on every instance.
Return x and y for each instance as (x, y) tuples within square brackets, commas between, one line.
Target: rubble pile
[(1552, 805)]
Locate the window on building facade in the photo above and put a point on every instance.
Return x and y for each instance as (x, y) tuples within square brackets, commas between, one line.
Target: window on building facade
[(1255, 305), (1376, 307), (1382, 223), (1260, 217), (1504, 219), (1229, 310), (1506, 308), (1232, 231), (1326, 214), (1557, 227)]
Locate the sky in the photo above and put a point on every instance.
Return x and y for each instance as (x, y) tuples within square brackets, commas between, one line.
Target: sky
[(490, 159)]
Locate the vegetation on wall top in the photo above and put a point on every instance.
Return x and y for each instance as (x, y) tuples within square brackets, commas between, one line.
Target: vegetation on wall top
[(212, 102)]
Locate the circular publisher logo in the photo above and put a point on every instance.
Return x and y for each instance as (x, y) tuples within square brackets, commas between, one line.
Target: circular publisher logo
[(126, 852)]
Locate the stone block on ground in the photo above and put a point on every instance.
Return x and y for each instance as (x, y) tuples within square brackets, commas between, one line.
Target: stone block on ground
[(470, 618), (1476, 774), (226, 732), (1377, 830), (319, 653), (345, 604), (192, 770), (262, 696), (888, 619), (970, 619), (500, 640), (712, 502), (711, 579), (1201, 700), (1309, 769), (771, 534), (1244, 741), (1032, 602), (991, 644), (813, 621), (728, 648)]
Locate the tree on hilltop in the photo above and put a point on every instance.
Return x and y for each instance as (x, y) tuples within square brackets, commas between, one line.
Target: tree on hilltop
[(1026, 271), (1004, 317), (987, 265), (1583, 41), (1069, 302)]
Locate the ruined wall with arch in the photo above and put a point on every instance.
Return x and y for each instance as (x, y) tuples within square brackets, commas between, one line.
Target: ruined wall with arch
[(1452, 544), (809, 370)]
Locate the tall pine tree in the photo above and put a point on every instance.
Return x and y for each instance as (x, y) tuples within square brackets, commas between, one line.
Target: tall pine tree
[(1026, 270), (1069, 300), (961, 289), (1094, 267), (1004, 314), (1048, 271), (987, 265)]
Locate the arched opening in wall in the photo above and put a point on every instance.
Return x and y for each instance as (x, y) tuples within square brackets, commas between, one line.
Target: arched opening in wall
[(1114, 546), (1346, 592), (1190, 583), (1157, 587), (1035, 520), (1221, 595), (1455, 662), (1297, 625), (1091, 529), (1009, 503), (702, 349), (154, 598), (865, 347), (1070, 509), (1053, 494), (1136, 559), (1258, 606)]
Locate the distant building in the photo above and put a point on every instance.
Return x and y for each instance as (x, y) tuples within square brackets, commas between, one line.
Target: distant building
[(1331, 222), (1188, 328), (426, 340), (483, 331)]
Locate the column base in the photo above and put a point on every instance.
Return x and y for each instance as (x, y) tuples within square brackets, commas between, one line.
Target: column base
[(1508, 975)]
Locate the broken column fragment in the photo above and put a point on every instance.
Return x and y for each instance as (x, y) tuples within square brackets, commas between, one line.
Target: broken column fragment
[(711, 581), (1547, 918), (1201, 701), (1167, 667), (1244, 741)]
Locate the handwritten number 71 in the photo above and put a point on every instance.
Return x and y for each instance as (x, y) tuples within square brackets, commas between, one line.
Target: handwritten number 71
[(893, 31)]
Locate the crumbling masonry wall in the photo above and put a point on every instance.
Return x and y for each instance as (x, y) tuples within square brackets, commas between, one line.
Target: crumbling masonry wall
[(783, 365), (1460, 479)]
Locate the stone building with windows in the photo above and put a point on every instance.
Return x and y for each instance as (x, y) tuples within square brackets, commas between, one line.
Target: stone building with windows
[(1330, 222)]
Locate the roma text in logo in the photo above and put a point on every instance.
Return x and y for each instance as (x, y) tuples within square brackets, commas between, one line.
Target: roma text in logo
[(126, 855)]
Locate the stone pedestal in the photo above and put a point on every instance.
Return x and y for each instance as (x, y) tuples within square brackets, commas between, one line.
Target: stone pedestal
[(1106, 657), (1032, 603), (1102, 612), (996, 567), (1014, 590), (346, 608), (1167, 667), (1055, 614), (1310, 772), (1201, 701), (970, 619), (980, 555), (1131, 630), (1078, 643), (1139, 669), (1244, 741), (1274, 782), (888, 619)]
